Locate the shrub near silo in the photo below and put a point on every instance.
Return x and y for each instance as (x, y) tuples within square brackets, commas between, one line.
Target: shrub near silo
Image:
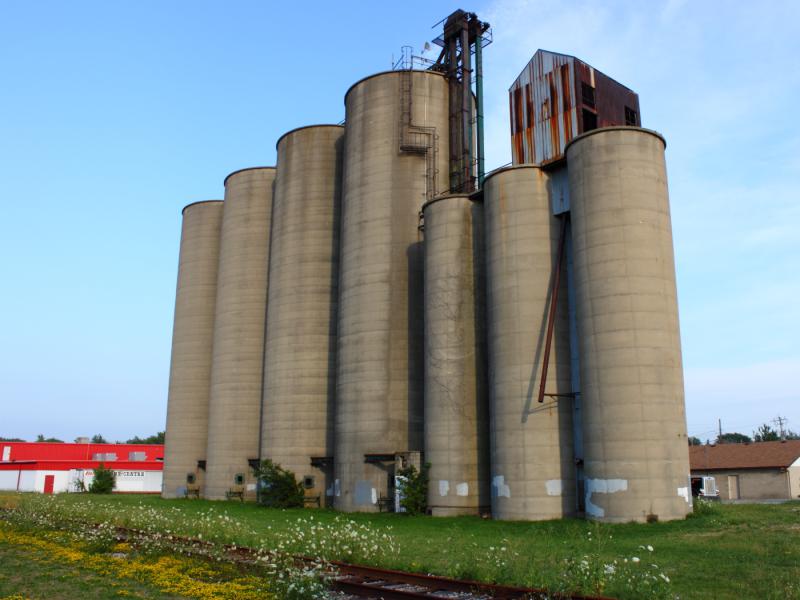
[(278, 487), (104, 480), (414, 489)]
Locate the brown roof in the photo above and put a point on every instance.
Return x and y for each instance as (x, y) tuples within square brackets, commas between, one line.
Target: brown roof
[(758, 455)]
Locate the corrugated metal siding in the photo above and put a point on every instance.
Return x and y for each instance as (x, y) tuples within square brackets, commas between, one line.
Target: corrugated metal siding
[(547, 106), (544, 115)]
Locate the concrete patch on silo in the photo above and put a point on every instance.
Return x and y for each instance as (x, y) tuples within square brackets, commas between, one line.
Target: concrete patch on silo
[(602, 486), (555, 487), (683, 492), (444, 487), (364, 493), (374, 496), (337, 488), (462, 489), (499, 487)]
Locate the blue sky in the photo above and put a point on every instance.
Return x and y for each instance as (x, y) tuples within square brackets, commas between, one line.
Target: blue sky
[(114, 115)]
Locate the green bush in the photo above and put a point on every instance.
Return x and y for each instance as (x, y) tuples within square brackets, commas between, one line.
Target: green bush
[(104, 480), (278, 487), (414, 489)]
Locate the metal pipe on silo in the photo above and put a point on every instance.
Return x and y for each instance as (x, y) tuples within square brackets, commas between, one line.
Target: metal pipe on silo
[(636, 461), (192, 338), (396, 157), (237, 371), (533, 475), (300, 348), (456, 390)]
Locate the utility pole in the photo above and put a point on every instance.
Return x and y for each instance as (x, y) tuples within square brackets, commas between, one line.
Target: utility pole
[(779, 421), (720, 427)]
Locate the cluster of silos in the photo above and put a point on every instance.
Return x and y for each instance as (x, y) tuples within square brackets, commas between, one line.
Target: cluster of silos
[(610, 438), (344, 310)]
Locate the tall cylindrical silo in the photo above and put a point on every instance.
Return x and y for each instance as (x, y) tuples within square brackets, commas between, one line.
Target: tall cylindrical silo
[(396, 158), (456, 391), (532, 466), (300, 350), (634, 425), (192, 338), (237, 371)]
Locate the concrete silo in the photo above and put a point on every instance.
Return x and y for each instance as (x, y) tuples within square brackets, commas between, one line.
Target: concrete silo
[(532, 466), (634, 426), (456, 391), (395, 124), (300, 350), (192, 338), (237, 372)]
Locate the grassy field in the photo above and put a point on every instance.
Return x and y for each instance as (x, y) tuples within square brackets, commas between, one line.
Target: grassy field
[(40, 563), (731, 551)]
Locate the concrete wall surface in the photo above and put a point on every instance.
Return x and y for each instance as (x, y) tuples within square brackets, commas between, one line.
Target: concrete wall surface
[(753, 484), (634, 423), (192, 340), (532, 466), (395, 122), (238, 359), (300, 350), (456, 390)]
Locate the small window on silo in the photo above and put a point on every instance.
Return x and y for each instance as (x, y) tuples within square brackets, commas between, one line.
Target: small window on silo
[(308, 482), (587, 94), (190, 478), (137, 456), (589, 120), (239, 479), (631, 118)]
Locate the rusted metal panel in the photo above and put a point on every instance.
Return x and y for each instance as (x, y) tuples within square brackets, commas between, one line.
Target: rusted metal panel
[(543, 115), (556, 98)]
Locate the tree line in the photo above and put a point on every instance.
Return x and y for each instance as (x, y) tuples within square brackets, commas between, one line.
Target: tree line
[(764, 433), (157, 438)]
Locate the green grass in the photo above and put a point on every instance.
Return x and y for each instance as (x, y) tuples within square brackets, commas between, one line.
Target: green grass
[(730, 551)]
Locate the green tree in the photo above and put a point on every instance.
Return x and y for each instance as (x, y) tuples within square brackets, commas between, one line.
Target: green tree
[(733, 438), (278, 487), (41, 438), (765, 433), (5, 439), (414, 489), (157, 438), (694, 441), (104, 480), (99, 439)]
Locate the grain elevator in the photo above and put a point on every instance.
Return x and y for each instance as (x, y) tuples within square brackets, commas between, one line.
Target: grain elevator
[(378, 300)]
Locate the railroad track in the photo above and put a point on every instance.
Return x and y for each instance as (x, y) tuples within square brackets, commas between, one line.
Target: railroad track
[(368, 582)]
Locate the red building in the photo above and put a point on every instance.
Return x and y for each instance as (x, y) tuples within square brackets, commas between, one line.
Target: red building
[(56, 467)]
